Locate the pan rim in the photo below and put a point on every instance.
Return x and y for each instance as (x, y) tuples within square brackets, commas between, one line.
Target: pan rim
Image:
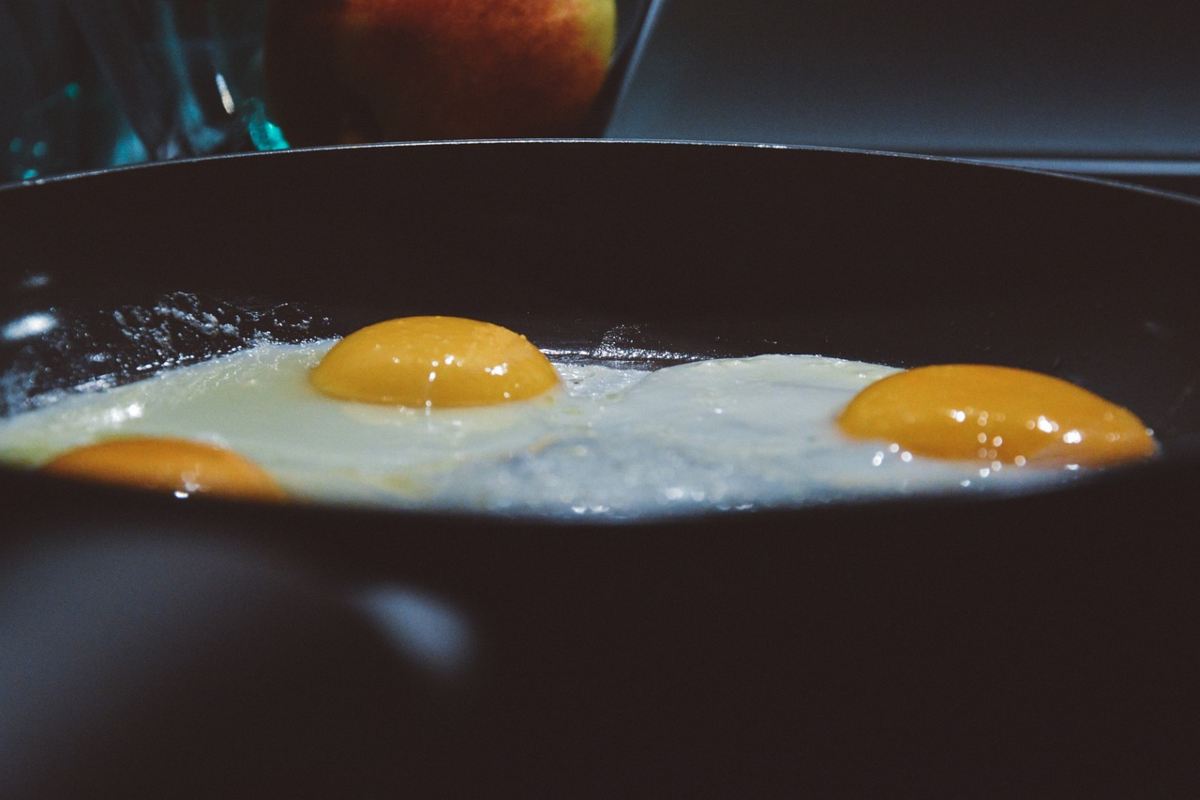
[(971, 162)]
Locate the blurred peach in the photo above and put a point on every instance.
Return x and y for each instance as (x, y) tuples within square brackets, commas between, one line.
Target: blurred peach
[(342, 71)]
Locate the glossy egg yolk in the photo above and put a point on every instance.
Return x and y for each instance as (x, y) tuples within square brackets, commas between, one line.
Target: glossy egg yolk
[(165, 464), (963, 411), (434, 362)]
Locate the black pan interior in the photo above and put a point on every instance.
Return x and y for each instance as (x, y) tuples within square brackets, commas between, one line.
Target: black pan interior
[(953, 648)]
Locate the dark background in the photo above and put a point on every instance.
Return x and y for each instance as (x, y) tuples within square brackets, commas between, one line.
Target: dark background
[(1107, 88)]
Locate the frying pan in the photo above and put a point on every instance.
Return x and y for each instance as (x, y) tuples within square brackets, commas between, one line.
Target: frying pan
[(1042, 644)]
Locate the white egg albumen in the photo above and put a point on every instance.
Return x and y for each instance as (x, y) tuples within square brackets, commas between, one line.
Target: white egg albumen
[(711, 435)]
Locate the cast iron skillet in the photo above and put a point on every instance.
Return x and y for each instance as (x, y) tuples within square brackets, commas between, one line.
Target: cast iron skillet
[(1043, 644)]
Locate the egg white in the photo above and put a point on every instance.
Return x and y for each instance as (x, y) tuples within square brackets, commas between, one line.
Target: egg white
[(711, 435)]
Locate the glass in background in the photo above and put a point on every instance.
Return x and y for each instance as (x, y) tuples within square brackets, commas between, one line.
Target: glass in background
[(87, 85), (48, 122)]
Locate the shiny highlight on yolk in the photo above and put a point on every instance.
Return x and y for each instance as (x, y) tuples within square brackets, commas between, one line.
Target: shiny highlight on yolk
[(434, 362), (166, 464), (965, 411)]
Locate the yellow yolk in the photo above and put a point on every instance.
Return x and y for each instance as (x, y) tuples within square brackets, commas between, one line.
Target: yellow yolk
[(166, 464), (964, 411), (434, 361)]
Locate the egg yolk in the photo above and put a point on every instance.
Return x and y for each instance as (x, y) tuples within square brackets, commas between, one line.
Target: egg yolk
[(166, 464), (963, 411), (434, 361)]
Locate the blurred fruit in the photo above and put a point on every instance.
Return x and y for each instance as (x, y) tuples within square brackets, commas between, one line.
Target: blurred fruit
[(342, 71)]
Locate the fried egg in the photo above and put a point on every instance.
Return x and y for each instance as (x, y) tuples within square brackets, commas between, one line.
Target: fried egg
[(973, 411), (439, 413), (434, 361), (181, 466)]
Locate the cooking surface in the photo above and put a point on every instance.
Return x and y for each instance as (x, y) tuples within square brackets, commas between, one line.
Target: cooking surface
[(935, 647)]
